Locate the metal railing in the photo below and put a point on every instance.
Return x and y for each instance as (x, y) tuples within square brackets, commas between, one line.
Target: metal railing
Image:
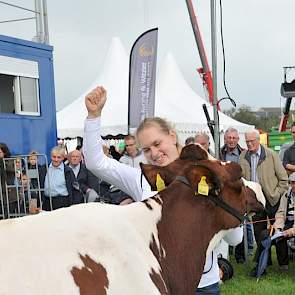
[(21, 190)]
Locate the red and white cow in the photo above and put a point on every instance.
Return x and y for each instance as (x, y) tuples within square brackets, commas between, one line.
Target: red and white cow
[(157, 246)]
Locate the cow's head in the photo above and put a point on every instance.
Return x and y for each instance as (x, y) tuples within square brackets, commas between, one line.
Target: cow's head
[(224, 179)]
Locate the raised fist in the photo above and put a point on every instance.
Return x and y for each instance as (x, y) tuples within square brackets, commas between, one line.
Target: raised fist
[(94, 101)]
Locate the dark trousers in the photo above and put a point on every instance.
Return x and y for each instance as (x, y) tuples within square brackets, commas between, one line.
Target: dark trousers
[(57, 202), (260, 232), (209, 290)]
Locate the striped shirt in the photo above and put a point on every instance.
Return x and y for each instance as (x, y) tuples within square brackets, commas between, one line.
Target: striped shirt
[(254, 162)]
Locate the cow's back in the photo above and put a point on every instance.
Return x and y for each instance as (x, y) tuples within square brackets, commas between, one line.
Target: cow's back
[(60, 252)]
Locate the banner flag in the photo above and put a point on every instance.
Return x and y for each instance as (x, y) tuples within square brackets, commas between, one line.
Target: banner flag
[(142, 78)]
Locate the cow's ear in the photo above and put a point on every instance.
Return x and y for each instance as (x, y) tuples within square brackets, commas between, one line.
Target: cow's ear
[(156, 176), (203, 179), (193, 152)]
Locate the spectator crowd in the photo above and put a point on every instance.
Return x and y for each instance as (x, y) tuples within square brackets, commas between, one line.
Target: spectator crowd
[(28, 187)]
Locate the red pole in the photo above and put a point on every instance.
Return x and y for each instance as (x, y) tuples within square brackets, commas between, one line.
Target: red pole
[(205, 71)]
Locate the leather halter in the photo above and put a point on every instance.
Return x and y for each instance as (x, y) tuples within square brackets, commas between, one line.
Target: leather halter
[(217, 201)]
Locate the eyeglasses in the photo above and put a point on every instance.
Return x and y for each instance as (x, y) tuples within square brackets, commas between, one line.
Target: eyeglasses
[(251, 141)]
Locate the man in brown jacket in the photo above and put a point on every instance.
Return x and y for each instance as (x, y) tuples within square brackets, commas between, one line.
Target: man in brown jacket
[(284, 221), (285, 215), (262, 165)]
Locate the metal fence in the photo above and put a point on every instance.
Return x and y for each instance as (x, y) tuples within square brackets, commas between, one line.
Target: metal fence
[(21, 191)]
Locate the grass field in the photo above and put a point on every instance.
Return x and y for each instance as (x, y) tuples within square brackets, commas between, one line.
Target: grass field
[(274, 283)]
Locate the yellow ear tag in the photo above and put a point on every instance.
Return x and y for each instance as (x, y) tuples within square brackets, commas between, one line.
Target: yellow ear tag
[(160, 184), (203, 187)]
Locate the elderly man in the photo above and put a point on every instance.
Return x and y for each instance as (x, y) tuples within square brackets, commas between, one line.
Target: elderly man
[(231, 149), (203, 139), (262, 165), (89, 183), (57, 182), (132, 156)]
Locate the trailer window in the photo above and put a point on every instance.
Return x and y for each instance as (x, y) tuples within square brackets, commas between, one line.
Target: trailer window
[(19, 86), (6, 94), (19, 95)]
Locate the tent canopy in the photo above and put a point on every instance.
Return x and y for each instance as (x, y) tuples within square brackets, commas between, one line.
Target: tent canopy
[(175, 100), (114, 77)]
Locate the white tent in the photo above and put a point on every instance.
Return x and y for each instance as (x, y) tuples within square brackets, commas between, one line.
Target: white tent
[(114, 77), (175, 100)]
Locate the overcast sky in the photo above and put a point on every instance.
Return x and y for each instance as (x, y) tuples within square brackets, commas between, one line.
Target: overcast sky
[(258, 37)]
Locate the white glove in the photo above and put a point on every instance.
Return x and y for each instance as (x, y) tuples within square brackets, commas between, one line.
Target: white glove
[(92, 195)]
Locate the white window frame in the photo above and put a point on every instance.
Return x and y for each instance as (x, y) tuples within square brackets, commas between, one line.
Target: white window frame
[(18, 99), (18, 68)]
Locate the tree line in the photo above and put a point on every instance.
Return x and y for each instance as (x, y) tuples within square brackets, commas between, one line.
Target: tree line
[(245, 115)]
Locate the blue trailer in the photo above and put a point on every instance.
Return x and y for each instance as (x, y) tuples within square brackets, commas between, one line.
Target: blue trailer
[(27, 97)]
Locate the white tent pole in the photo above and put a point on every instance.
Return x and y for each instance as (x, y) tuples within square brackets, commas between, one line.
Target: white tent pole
[(214, 76)]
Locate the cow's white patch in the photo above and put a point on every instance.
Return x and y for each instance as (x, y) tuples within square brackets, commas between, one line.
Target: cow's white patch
[(41, 250), (232, 236), (210, 157), (256, 187)]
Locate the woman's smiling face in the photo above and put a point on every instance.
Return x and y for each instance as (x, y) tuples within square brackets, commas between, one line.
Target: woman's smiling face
[(159, 147)]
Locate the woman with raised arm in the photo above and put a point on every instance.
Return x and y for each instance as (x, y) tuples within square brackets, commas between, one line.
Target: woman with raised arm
[(160, 147)]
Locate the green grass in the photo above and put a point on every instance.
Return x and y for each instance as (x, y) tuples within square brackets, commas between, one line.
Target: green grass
[(274, 283)]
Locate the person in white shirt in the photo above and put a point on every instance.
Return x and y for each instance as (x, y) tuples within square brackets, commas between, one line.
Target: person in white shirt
[(160, 147), (132, 156)]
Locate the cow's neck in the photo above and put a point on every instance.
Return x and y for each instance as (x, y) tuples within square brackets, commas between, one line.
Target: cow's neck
[(185, 231)]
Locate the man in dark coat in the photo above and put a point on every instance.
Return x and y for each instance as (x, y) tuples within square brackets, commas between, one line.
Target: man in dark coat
[(89, 183)]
